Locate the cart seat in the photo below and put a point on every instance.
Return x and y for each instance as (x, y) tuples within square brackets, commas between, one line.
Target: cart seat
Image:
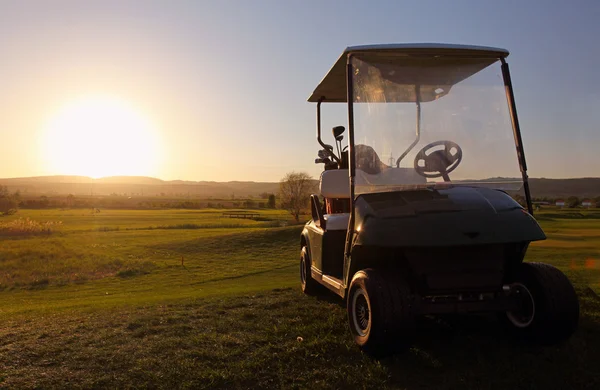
[(337, 221), (334, 184), (391, 179), (390, 176)]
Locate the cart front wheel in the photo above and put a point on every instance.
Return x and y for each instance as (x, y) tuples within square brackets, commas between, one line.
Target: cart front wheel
[(381, 313), (548, 307)]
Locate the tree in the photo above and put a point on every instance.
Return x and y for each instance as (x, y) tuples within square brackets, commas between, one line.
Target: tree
[(44, 201), (572, 201), (9, 204), (271, 201), (70, 200), (294, 193)]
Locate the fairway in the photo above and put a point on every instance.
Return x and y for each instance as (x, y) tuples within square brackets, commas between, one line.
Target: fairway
[(171, 299), (195, 246)]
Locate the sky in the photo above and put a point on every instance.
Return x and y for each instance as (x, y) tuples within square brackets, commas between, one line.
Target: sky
[(217, 90)]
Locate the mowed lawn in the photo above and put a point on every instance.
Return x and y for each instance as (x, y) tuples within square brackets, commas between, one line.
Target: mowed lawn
[(85, 245), (188, 299)]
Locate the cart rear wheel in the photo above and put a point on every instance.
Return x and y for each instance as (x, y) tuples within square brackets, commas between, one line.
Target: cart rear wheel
[(549, 307), (380, 312), (308, 284)]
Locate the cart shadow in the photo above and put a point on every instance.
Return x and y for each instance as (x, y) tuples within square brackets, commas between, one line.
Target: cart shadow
[(476, 351)]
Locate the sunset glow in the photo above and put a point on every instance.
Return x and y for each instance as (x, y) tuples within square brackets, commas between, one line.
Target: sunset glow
[(100, 136), (214, 103)]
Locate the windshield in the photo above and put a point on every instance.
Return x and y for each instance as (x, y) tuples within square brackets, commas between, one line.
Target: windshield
[(430, 121)]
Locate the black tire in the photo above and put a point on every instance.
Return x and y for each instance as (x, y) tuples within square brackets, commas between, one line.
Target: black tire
[(381, 312), (308, 284), (550, 311)]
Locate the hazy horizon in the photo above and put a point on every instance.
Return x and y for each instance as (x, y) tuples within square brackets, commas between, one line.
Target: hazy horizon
[(124, 176), (249, 180), (216, 91)]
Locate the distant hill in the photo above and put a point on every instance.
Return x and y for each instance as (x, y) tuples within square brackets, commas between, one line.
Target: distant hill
[(138, 185), (129, 180), (149, 186), (558, 188), (555, 188)]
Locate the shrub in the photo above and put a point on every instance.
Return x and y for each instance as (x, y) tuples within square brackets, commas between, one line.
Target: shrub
[(130, 273), (8, 206), (27, 226)]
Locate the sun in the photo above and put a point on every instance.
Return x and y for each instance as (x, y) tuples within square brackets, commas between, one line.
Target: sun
[(100, 136)]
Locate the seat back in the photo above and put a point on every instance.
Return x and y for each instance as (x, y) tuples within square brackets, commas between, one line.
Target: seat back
[(337, 221), (389, 179), (335, 183)]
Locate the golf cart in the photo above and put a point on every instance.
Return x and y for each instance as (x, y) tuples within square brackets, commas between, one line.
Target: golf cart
[(414, 215)]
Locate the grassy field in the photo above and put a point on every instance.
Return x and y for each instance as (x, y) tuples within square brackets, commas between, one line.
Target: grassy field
[(188, 299), (86, 246)]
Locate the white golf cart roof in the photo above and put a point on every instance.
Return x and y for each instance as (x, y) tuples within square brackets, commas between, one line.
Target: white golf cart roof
[(431, 66)]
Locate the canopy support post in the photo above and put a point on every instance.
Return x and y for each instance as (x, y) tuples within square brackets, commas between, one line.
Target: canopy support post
[(516, 132), (351, 163), (418, 130)]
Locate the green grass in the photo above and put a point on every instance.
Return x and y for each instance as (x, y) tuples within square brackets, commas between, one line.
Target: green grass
[(573, 245), (205, 254), (232, 315), (88, 220), (135, 241)]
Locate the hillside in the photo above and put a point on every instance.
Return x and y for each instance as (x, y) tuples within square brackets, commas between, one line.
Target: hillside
[(148, 186), (128, 185), (554, 188)]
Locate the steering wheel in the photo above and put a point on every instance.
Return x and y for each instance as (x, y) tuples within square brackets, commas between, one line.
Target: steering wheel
[(438, 163)]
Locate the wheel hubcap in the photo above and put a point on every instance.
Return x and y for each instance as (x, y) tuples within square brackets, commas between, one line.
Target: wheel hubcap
[(361, 312), (523, 317)]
